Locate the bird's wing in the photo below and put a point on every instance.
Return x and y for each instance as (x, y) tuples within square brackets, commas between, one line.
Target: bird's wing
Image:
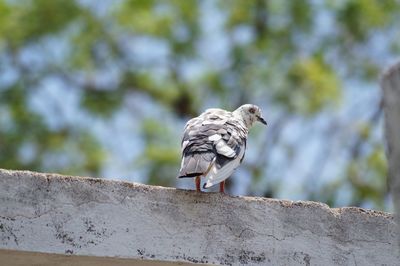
[(230, 148)]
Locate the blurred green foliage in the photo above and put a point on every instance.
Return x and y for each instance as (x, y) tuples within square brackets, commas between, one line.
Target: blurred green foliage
[(295, 57), (315, 86)]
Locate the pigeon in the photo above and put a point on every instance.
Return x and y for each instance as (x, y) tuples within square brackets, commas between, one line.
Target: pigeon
[(214, 144)]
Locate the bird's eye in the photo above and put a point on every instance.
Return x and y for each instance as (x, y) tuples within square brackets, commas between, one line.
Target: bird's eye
[(252, 110)]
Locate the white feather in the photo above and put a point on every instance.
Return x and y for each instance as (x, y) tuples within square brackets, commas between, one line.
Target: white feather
[(184, 144), (215, 175), (214, 122), (223, 149), (214, 137), (183, 162), (221, 146)]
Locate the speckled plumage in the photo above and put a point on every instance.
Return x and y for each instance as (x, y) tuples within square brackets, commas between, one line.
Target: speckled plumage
[(214, 143)]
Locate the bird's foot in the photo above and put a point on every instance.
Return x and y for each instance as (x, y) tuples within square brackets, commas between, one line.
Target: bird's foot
[(222, 187), (197, 180)]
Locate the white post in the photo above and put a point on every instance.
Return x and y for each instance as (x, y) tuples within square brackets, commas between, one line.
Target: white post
[(390, 84)]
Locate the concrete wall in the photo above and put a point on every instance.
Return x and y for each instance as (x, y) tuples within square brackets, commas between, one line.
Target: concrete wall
[(100, 218)]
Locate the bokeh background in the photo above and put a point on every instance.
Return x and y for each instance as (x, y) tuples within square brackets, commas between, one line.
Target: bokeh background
[(104, 88)]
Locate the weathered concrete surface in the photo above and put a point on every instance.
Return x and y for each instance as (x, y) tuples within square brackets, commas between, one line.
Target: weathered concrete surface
[(390, 83), (85, 216)]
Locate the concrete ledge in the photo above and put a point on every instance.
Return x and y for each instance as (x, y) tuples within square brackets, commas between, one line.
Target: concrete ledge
[(101, 218)]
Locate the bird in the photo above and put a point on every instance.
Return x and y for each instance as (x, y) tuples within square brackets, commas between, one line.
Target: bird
[(214, 144)]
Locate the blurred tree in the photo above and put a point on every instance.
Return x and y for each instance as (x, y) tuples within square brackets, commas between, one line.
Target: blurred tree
[(70, 69)]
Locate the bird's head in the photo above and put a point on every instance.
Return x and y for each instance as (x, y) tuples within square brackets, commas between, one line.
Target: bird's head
[(250, 113)]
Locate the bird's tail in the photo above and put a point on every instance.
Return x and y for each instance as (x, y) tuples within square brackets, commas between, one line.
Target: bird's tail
[(195, 164)]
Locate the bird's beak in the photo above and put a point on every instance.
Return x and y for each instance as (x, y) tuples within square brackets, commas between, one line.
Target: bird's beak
[(262, 120)]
